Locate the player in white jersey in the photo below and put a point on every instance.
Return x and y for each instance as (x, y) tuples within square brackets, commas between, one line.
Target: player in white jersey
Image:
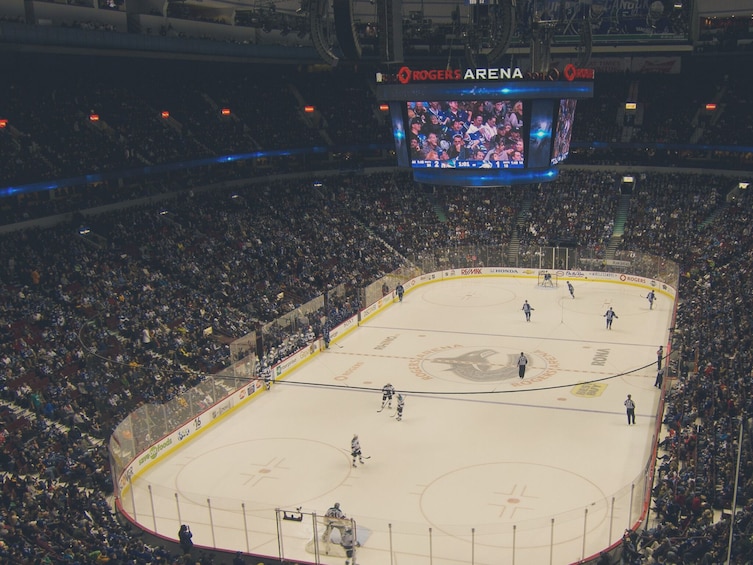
[(266, 375), (522, 362), (355, 450), (400, 406), (388, 391), (348, 541)]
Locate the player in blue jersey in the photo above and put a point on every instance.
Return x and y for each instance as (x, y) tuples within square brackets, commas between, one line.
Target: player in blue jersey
[(610, 315), (651, 296), (527, 309)]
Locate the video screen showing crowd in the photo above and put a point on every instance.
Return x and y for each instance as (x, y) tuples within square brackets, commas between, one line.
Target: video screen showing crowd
[(467, 134)]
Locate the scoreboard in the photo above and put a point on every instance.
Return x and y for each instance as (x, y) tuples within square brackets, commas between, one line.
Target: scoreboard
[(482, 127)]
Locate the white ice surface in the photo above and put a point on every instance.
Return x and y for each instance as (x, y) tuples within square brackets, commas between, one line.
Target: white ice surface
[(484, 468)]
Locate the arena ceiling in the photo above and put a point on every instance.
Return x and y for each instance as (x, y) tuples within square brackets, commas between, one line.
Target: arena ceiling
[(378, 29)]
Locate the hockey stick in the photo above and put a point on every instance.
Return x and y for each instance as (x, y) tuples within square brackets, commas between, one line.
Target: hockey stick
[(382, 408)]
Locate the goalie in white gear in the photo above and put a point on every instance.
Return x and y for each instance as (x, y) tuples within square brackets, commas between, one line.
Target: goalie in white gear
[(333, 512)]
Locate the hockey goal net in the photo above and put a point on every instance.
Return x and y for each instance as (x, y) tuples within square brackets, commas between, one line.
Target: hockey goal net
[(329, 534), (547, 278)]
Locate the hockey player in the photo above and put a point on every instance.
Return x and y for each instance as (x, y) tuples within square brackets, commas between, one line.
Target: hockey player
[(527, 309), (610, 315), (659, 377), (651, 296), (388, 392), (337, 514), (348, 541), (522, 362), (400, 291), (571, 289), (355, 450), (400, 406), (266, 374)]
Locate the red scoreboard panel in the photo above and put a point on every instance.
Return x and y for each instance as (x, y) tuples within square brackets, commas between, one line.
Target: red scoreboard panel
[(482, 127)]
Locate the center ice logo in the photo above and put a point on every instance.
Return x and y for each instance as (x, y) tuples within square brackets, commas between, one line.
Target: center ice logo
[(480, 365)]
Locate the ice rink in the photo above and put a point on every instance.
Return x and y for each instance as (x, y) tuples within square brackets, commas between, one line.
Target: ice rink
[(485, 467)]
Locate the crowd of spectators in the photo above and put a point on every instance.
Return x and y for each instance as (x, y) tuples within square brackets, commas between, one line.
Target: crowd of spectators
[(352, 118), (671, 125), (94, 327), (151, 113), (454, 132), (661, 119), (558, 214), (659, 222), (96, 324), (710, 403)]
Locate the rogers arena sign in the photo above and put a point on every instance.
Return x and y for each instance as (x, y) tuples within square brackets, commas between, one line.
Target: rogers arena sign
[(407, 75), (572, 73)]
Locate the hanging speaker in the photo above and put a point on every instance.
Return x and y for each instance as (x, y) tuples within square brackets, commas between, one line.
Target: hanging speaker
[(345, 29), (317, 29)]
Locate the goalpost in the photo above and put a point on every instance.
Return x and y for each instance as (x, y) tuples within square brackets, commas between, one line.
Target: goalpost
[(548, 279), (327, 538), (318, 535)]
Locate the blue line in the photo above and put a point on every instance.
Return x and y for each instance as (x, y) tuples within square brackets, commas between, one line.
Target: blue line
[(510, 335)]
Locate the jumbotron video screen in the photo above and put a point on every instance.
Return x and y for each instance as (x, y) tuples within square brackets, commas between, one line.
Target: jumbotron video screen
[(482, 127)]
